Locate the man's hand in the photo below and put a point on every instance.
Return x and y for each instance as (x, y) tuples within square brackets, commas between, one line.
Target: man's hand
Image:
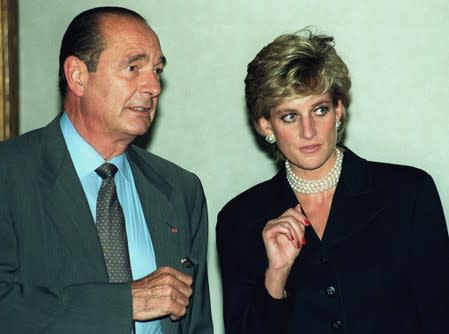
[(164, 292)]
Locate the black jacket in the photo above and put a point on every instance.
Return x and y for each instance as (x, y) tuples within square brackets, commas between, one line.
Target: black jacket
[(381, 267)]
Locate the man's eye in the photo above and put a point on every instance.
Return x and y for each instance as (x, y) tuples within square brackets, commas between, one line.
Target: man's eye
[(289, 117), (321, 111), (132, 68), (158, 71)]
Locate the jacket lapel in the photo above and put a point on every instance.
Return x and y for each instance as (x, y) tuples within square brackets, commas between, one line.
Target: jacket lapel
[(160, 214), (356, 186), (65, 203)]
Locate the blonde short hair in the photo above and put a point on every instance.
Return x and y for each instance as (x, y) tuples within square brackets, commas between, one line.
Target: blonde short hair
[(298, 64)]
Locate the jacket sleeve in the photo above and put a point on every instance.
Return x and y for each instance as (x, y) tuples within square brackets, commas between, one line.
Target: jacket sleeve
[(429, 259), (31, 306), (247, 305)]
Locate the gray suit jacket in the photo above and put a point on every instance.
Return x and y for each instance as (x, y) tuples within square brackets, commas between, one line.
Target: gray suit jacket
[(53, 277)]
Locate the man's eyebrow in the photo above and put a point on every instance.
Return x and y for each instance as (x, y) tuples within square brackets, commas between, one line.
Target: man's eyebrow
[(162, 60), (137, 57), (143, 56)]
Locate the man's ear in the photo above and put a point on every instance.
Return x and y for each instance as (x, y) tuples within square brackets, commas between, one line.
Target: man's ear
[(75, 71)]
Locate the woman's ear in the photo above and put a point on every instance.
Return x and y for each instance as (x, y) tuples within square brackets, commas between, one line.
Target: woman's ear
[(75, 71), (339, 109), (263, 126)]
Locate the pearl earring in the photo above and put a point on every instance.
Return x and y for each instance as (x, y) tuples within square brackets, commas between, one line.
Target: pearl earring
[(270, 138), (337, 124)]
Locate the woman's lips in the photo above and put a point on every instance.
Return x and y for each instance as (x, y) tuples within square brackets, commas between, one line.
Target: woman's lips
[(310, 148)]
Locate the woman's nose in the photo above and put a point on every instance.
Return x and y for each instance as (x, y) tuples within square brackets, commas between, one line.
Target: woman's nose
[(307, 128)]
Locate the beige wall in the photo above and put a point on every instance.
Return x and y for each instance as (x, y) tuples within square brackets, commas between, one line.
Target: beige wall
[(398, 53)]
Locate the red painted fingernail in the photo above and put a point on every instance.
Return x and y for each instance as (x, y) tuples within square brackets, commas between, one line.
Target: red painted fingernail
[(307, 222), (303, 241), (298, 245)]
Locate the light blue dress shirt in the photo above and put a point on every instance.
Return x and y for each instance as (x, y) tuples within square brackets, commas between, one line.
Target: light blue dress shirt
[(141, 252)]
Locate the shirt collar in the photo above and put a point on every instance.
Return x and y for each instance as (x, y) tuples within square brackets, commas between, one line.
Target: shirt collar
[(84, 157)]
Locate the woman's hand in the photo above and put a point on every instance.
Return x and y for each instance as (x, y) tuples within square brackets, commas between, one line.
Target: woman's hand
[(283, 238)]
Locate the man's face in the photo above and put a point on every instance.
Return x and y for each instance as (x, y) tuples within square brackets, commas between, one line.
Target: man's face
[(120, 98)]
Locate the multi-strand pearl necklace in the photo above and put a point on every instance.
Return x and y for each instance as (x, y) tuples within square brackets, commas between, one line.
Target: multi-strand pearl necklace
[(304, 186)]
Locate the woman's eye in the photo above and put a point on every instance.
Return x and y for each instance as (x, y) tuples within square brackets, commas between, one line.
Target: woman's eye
[(289, 117), (321, 111)]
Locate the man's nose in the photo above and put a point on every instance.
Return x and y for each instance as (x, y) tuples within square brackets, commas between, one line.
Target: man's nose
[(151, 84)]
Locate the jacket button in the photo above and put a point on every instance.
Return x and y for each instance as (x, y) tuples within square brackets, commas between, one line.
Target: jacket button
[(330, 291), (324, 260), (336, 324)]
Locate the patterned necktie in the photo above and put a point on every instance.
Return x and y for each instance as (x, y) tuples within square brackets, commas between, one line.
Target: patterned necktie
[(111, 227)]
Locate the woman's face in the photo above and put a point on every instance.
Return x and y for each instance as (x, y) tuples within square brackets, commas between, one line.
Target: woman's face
[(305, 133)]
